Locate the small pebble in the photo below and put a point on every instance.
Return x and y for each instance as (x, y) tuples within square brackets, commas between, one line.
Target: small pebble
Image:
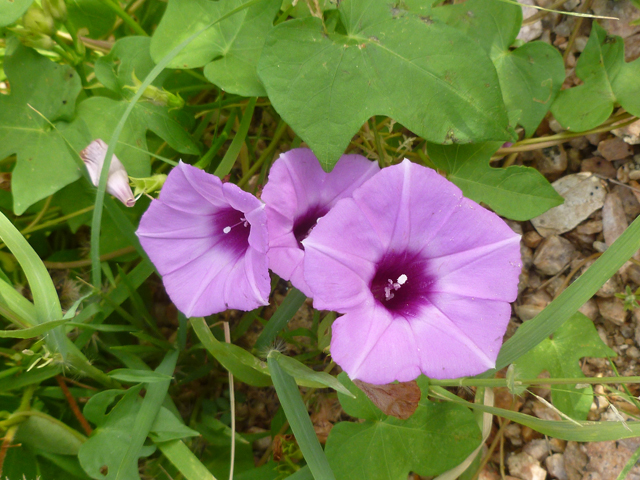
[(612, 309), (553, 254), (614, 149), (555, 466), (532, 239), (538, 448), (525, 467), (614, 219)]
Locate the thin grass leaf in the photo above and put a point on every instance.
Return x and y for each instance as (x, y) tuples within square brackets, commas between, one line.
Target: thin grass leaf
[(18, 305), (156, 393), (238, 140), (300, 371), (138, 376), (578, 431), (45, 297), (298, 418), (32, 332), (629, 465), (281, 317), (532, 332), (184, 460)]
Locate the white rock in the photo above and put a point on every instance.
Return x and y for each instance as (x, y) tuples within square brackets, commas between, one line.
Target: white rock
[(583, 193), (524, 466), (555, 466)]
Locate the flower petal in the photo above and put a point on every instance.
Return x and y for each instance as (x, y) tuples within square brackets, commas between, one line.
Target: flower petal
[(297, 194), (459, 336), (340, 256), (373, 346), (407, 205)]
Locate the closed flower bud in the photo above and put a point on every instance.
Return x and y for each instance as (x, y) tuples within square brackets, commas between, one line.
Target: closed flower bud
[(36, 40), (56, 8), (118, 181), (158, 96), (36, 20)]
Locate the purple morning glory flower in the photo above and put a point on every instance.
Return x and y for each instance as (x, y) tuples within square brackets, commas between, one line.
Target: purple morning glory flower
[(209, 242), (423, 275), (297, 194)]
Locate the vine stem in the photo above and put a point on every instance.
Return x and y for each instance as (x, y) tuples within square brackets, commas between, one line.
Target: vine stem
[(232, 400)]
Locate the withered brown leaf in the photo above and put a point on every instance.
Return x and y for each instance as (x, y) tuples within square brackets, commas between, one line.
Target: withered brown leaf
[(399, 400)]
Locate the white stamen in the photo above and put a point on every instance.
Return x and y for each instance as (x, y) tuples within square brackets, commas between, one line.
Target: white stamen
[(402, 279), (242, 221)]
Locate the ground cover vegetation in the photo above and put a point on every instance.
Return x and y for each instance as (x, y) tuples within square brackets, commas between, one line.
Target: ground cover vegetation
[(258, 239)]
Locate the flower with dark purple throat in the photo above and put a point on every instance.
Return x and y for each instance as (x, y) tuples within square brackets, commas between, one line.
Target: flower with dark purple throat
[(423, 276), (299, 193), (118, 181), (209, 242)]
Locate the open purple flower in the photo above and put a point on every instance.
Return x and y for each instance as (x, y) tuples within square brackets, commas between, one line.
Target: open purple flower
[(423, 275), (297, 194), (209, 242)]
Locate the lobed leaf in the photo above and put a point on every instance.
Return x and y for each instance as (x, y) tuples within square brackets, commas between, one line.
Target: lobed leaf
[(515, 192), (560, 356), (440, 84)]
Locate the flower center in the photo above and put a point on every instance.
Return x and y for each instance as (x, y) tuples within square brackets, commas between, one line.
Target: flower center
[(234, 229), (400, 283), (306, 222)]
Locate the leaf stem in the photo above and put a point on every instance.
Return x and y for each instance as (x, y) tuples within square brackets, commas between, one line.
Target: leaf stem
[(126, 18)]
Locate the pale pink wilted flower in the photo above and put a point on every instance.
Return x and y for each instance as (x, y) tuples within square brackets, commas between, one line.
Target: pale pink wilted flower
[(209, 242), (298, 193), (423, 275), (118, 181)]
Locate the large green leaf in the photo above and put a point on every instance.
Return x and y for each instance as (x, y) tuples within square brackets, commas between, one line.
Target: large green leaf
[(94, 15), (560, 356), (436, 438), (229, 50), (607, 80), (515, 192), (530, 76), (387, 62), (12, 10), (45, 163)]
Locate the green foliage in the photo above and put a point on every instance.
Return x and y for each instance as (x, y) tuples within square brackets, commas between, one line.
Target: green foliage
[(530, 75), (43, 92), (10, 11), (367, 67), (607, 80), (516, 192), (229, 51), (436, 438), (459, 84), (560, 356)]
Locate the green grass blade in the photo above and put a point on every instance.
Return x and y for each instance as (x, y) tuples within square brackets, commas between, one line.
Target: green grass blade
[(285, 312), (96, 221), (45, 297), (532, 332), (299, 420), (234, 149), (565, 430), (32, 332), (156, 392), (16, 303), (184, 460), (629, 465)]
